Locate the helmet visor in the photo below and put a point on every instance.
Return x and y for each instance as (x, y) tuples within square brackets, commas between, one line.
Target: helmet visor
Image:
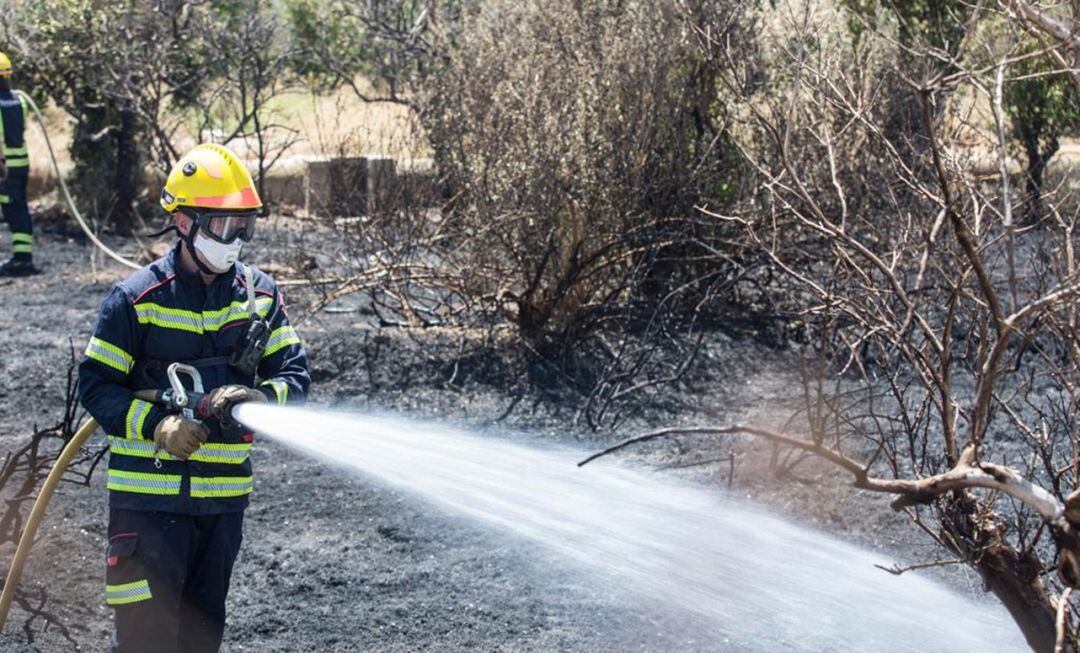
[(227, 227)]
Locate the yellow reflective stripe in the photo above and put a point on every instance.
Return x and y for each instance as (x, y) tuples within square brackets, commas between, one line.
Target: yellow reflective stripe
[(213, 320), (226, 453), (21, 162), (137, 448), (136, 417), (5, 199), (280, 338), (218, 487), (177, 318), (109, 354), (20, 237), (144, 482), (9, 151), (169, 318), (128, 593), (22, 248), (280, 388)]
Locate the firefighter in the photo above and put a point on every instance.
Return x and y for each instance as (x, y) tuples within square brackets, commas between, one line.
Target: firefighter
[(14, 173), (178, 487)]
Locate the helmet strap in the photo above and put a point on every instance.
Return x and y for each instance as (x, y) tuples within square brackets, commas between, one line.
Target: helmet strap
[(158, 234), (189, 241)]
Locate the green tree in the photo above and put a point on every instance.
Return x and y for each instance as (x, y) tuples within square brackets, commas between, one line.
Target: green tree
[(390, 43), (141, 79), (939, 24), (1043, 106), (66, 50)]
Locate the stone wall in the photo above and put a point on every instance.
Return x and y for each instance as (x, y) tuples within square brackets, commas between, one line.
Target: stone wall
[(316, 185)]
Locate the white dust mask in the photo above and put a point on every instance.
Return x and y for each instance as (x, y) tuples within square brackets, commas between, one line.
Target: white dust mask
[(218, 256)]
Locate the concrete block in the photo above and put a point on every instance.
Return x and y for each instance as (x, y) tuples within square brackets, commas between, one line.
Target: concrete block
[(348, 185), (417, 183), (285, 181)]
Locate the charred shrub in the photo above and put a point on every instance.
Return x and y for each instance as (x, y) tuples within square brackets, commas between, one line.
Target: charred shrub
[(575, 140)]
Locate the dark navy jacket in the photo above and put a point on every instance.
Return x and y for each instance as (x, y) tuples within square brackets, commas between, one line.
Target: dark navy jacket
[(13, 127), (163, 314)]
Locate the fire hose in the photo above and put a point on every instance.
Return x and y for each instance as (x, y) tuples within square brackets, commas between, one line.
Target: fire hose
[(26, 540), (36, 513), (71, 207), (191, 404)]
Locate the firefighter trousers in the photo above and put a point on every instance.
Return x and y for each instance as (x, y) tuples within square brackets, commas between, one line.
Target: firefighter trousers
[(17, 212), (167, 576)]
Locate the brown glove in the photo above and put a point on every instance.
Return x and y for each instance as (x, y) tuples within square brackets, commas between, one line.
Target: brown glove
[(224, 398), (178, 436)]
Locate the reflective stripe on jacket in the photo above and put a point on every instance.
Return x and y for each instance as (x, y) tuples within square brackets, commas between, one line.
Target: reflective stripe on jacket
[(13, 126), (159, 315)]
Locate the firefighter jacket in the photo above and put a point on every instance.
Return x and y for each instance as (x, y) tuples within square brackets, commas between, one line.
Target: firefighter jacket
[(13, 123), (163, 314)]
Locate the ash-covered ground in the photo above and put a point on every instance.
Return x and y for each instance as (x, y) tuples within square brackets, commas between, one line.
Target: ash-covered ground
[(336, 563)]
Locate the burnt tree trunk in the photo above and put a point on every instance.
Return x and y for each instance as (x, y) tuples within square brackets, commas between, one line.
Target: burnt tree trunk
[(1014, 577), (127, 176), (1038, 158)]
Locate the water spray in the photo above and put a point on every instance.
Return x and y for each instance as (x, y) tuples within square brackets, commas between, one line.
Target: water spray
[(747, 580), (742, 578)]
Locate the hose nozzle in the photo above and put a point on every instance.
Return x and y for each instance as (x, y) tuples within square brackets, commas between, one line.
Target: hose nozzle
[(193, 404)]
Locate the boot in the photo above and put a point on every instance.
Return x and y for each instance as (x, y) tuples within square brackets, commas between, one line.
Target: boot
[(18, 266)]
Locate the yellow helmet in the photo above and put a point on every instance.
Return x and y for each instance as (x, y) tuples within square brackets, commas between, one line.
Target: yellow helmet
[(210, 177), (5, 65)]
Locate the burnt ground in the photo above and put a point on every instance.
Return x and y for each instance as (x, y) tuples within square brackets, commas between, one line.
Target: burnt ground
[(334, 563)]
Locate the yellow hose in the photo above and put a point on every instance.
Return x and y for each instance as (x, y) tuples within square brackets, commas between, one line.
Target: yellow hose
[(37, 512), (71, 203)]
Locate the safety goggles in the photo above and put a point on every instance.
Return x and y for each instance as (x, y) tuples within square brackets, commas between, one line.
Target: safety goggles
[(226, 226)]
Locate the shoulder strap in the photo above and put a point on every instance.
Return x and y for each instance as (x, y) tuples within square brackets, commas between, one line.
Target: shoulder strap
[(249, 282)]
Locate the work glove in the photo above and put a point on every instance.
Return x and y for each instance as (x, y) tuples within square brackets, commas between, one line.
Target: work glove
[(179, 437), (224, 398)]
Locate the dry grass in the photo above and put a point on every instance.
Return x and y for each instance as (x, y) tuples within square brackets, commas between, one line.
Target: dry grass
[(333, 124), (339, 123)]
